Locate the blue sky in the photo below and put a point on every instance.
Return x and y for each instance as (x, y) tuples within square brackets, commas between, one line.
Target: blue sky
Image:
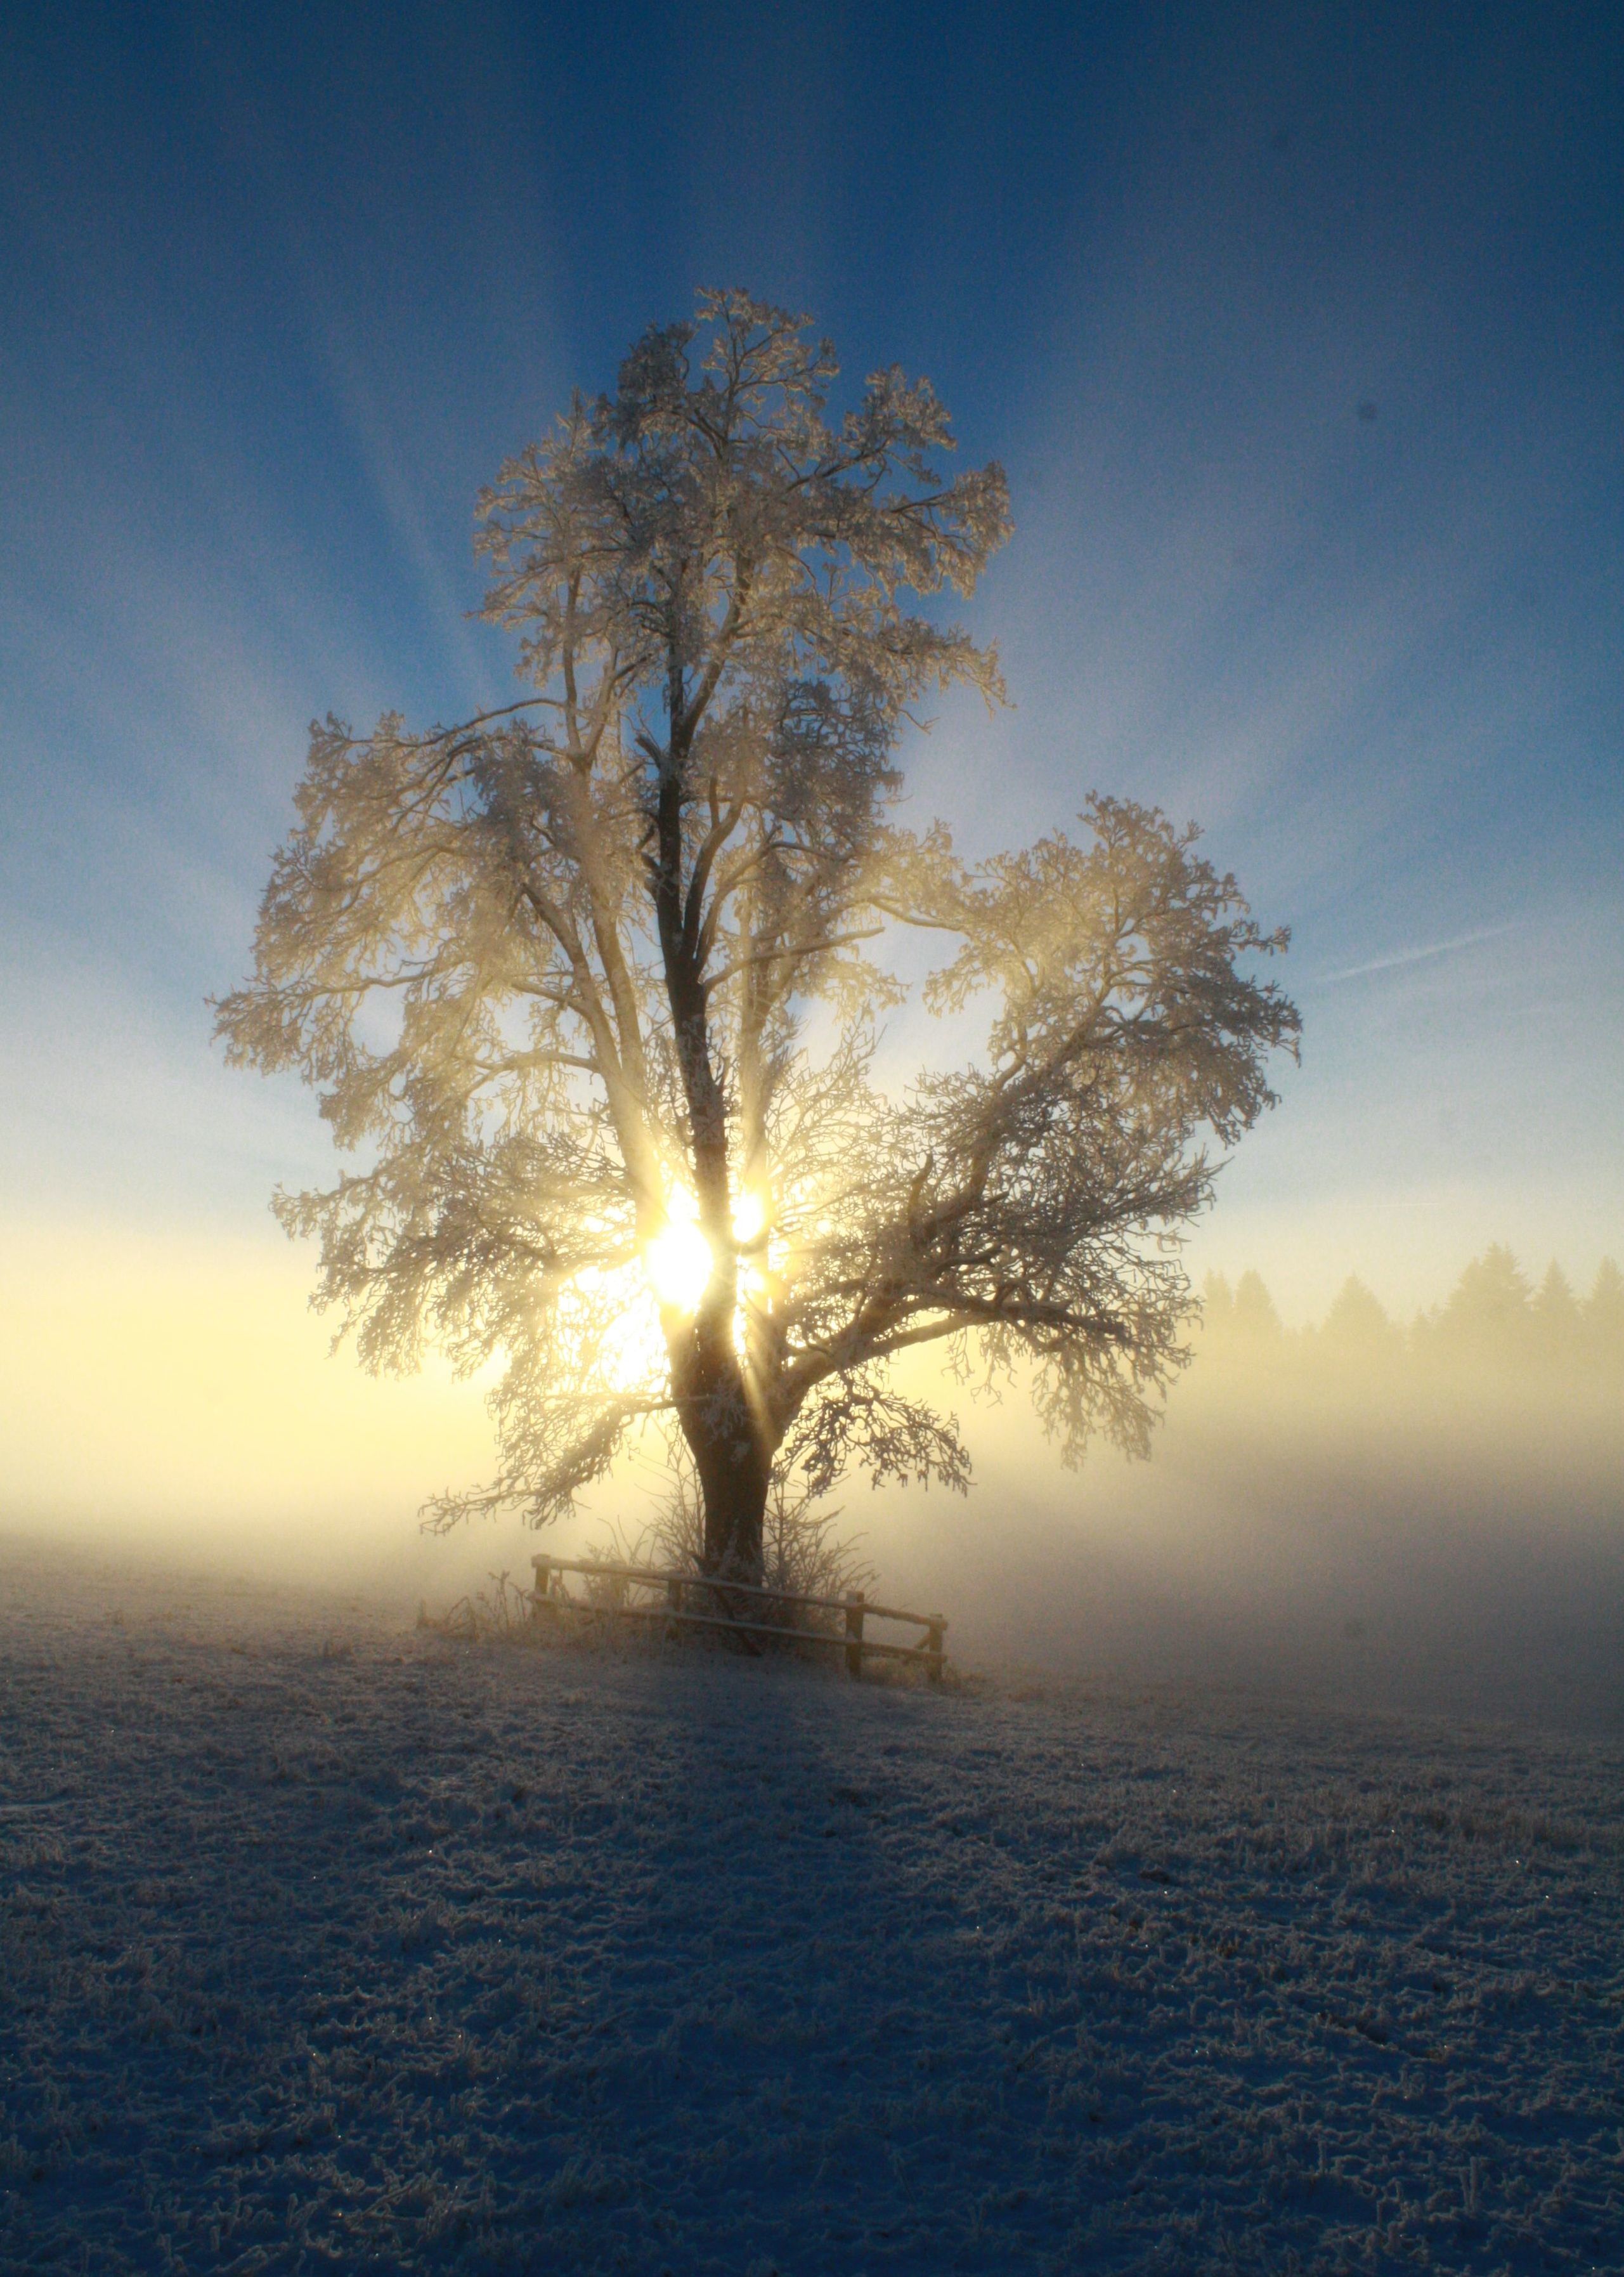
[(1300, 330)]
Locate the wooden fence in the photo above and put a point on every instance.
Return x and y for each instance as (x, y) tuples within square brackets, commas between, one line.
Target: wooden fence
[(729, 1603)]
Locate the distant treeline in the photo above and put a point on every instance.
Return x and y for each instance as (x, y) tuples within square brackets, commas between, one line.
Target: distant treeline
[(1496, 1320)]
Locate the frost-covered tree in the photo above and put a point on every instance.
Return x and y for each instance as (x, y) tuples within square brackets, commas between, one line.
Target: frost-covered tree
[(590, 985), (1357, 1326), (1604, 1310), (1558, 1324), (1489, 1316)]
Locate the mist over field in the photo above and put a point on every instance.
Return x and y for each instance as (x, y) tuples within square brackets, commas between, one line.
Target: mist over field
[(1429, 1514), (1426, 1512)]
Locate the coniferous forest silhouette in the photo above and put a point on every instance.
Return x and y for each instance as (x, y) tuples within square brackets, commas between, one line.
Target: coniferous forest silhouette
[(1498, 1332)]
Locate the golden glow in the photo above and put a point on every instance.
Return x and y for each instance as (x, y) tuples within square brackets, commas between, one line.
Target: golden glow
[(749, 1215), (182, 1380), (608, 1314), (677, 1260)]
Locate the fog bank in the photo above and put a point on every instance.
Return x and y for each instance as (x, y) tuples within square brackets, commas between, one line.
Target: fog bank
[(1429, 1515), (1426, 1514)]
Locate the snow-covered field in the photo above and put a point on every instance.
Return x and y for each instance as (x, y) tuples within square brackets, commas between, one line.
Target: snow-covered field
[(331, 1945)]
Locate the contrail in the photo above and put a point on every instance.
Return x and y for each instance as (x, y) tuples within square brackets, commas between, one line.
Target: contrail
[(1414, 955)]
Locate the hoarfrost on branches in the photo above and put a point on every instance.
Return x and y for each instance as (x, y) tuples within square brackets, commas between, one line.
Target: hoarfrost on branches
[(603, 915)]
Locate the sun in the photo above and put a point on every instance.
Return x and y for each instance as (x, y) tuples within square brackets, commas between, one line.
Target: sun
[(679, 1262)]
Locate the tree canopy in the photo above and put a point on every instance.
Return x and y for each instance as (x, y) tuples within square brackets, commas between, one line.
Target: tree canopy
[(591, 987)]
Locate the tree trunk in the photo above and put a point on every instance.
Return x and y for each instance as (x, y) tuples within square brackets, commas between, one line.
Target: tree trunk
[(732, 1451), (734, 1485)]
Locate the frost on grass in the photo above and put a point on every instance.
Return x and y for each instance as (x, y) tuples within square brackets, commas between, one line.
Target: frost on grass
[(327, 1945)]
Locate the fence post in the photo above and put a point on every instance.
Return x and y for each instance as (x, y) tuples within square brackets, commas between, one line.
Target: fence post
[(853, 1632), (673, 1604), (542, 1596), (936, 1629)]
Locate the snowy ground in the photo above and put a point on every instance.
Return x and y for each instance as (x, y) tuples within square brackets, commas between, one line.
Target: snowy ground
[(327, 1944)]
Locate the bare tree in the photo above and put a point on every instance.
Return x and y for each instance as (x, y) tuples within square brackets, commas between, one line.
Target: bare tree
[(590, 984)]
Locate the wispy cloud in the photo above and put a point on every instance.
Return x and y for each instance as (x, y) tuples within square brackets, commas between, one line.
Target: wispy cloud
[(1412, 956)]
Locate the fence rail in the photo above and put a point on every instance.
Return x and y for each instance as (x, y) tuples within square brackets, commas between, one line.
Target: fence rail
[(552, 1598)]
